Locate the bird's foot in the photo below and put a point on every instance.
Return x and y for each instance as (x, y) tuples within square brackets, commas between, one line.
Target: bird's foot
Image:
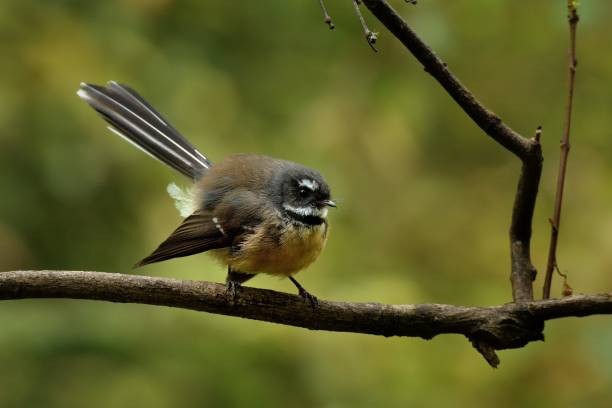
[(304, 294), (312, 299), (232, 288)]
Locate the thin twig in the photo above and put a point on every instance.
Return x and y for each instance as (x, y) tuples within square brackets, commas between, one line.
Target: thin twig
[(326, 17), (371, 36), (567, 289), (565, 147)]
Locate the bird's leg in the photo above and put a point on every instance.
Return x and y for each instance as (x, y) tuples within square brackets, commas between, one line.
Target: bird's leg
[(304, 293), (234, 281)]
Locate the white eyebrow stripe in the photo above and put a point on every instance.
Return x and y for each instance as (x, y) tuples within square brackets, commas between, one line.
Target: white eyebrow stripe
[(310, 184)]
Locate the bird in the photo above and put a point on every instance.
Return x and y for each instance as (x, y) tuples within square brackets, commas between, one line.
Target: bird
[(254, 213)]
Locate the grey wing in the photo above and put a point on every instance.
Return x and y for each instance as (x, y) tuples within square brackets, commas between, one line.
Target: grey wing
[(198, 233), (225, 226)]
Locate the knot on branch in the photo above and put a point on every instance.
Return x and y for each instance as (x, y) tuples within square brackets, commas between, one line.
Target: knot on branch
[(505, 331)]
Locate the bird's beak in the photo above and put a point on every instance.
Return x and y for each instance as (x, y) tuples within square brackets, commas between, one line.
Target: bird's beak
[(329, 203)]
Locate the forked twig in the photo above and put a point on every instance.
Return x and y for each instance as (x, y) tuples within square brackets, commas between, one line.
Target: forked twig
[(528, 150)]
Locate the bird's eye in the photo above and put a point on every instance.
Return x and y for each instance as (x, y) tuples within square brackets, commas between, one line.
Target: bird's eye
[(303, 192)]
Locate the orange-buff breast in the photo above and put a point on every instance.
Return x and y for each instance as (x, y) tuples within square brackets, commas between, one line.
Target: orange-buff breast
[(277, 251)]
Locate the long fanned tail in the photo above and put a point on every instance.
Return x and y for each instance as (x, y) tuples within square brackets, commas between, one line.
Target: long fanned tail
[(132, 118)]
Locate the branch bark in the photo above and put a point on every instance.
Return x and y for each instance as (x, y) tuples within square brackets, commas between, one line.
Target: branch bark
[(523, 273), (488, 328), (528, 150)]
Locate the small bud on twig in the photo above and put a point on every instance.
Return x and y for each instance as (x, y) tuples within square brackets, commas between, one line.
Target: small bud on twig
[(371, 36), (326, 17), (538, 134)]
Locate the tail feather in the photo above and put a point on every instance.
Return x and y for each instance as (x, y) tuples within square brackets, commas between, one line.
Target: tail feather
[(131, 97), (132, 118)]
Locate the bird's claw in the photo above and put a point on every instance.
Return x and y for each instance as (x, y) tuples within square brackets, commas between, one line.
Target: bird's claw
[(312, 299), (233, 288)]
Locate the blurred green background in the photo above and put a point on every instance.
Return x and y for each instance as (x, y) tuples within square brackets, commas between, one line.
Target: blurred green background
[(425, 198)]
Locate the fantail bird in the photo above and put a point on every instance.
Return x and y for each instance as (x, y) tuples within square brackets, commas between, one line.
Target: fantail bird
[(256, 214)]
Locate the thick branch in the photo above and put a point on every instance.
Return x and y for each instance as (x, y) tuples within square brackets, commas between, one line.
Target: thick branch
[(528, 150), (488, 328)]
